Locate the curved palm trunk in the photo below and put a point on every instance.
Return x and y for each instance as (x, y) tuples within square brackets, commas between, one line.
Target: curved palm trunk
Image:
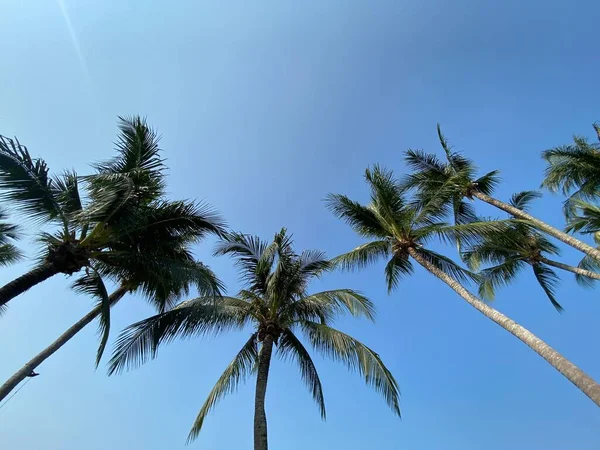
[(573, 373), (260, 417), (572, 269), (26, 281), (20, 375), (543, 226)]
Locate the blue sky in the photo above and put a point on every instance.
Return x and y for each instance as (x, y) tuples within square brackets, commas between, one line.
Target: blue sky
[(264, 108)]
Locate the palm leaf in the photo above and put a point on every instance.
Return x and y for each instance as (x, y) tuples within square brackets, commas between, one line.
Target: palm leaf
[(328, 304), (290, 346), (363, 255), (497, 276), (341, 347), (236, 372), (521, 200), (448, 266), (26, 182), (140, 341), (548, 280), (92, 284), (397, 267), (362, 219)]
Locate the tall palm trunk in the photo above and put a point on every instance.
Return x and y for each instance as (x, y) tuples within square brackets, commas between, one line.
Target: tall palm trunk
[(20, 375), (260, 417), (572, 269), (26, 281), (573, 373), (543, 226)]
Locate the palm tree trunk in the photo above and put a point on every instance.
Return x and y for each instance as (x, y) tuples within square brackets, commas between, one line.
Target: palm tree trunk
[(260, 417), (543, 226), (572, 269), (20, 375), (24, 282), (573, 373)]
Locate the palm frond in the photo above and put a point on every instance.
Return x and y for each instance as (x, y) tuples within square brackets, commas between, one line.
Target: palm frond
[(522, 200), (9, 254), (387, 201), (91, 284), (66, 192), (591, 264), (397, 267), (140, 341), (363, 255), (498, 276), (329, 304), (585, 219), (448, 266), (26, 181), (236, 372), (548, 280), (488, 182), (360, 218), (290, 346), (357, 356)]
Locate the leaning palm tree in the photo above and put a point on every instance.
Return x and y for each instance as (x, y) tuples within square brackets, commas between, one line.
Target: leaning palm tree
[(509, 251), (400, 230), (456, 180), (277, 305), (574, 170), (86, 227), (154, 260), (9, 253)]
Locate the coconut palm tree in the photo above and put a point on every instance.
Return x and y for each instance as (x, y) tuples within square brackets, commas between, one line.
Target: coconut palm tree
[(88, 230), (155, 260), (8, 233), (456, 180), (399, 231), (512, 250), (275, 302), (574, 170)]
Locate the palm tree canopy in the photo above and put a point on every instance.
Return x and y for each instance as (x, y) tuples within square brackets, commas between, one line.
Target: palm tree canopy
[(510, 251), (9, 233), (451, 180), (393, 224), (574, 170), (275, 301)]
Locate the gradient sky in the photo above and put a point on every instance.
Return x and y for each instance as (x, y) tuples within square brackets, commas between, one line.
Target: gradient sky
[(264, 108)]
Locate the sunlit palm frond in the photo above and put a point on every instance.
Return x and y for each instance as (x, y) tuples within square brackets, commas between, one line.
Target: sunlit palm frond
[(585, 219), (26, 182), (236, 373), (140, 341), (357, 356), (548, 280), (291, 347)]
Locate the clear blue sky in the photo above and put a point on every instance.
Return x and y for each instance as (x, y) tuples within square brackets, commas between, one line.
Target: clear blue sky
[(264, 108)]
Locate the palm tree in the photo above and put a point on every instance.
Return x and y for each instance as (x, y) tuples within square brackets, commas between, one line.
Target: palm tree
[(9, 254), (456, 180), (574, 170), (88, 232), (276, 303), (400, 230), (157, 262), (511, 250)]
